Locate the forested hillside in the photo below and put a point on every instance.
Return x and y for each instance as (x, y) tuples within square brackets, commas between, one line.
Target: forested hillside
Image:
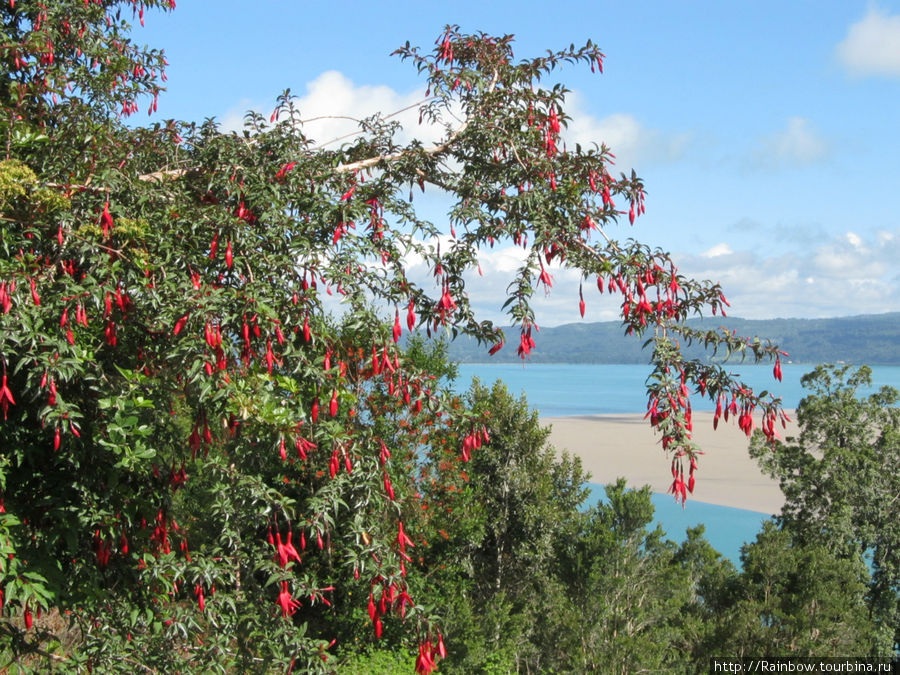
[(872, 339)]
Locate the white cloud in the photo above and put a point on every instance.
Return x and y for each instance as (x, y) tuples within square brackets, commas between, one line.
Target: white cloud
[(797, 144), (717, 250), (844, 275), (872, 45), (333, 106), (633, 144)]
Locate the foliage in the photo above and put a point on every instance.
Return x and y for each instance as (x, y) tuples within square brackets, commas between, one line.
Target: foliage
[(627, 590), (530, 581), (841, 478), (503, 519), (202, 466), (790, 599)]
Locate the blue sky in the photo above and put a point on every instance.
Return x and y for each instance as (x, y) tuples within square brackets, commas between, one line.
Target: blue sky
[(767, 132)]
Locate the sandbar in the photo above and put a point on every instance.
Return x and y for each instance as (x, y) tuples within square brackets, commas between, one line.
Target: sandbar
[(613, 446)]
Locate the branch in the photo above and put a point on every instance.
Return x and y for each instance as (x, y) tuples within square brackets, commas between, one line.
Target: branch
[(372, 161), (346, 117)]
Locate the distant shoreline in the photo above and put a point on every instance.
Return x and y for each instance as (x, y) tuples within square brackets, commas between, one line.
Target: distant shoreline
[(624, 445), (870, 339)]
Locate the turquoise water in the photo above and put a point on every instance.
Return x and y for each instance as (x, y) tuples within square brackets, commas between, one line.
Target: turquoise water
[(558, 390), (727, 529)]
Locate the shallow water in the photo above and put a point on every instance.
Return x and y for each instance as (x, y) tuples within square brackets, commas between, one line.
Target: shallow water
[(560, 390)]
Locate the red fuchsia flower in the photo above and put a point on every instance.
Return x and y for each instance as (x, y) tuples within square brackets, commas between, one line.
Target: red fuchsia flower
[(34, 294), (5, 299), (6, 397), (653, 411), (425, 661), (397, 331), (679, 488), (229, 256), (403, 539), (777, 369), (286, 601), (110, 333), (29, 619), (334, 464), (333, 404), (178, 478), (303, 446), (496, 348), (282, 172), (201, 602), (244, 213), (526, 343), (446, 50), (102, 548), (446, 304), (106, 221), (691, 479), (383, 454), (179, 325), (553, 122), (285, 551), (768, 426), (388, 487), (745, 421), (270, 356), (411, 315), (545, 277)]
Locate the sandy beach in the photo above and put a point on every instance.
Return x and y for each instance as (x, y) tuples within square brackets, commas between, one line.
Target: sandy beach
[(611, 446)]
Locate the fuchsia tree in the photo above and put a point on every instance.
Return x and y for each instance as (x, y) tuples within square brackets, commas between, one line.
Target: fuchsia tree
[(194, 452)]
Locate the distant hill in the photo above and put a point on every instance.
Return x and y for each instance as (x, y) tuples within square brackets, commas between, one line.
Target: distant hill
[(872, 339)]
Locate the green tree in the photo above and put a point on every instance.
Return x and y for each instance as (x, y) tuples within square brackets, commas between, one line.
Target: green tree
[(626, 590), (790, 599), (503, 519), (199, 462), (841, 478)]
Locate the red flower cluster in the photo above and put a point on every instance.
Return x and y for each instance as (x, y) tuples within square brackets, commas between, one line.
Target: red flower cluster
[(286, 601)]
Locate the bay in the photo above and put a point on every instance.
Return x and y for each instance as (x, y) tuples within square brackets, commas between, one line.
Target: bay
[(559, 390), (727, 528)]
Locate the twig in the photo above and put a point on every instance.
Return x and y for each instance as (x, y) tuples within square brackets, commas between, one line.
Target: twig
[(355, 133)]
